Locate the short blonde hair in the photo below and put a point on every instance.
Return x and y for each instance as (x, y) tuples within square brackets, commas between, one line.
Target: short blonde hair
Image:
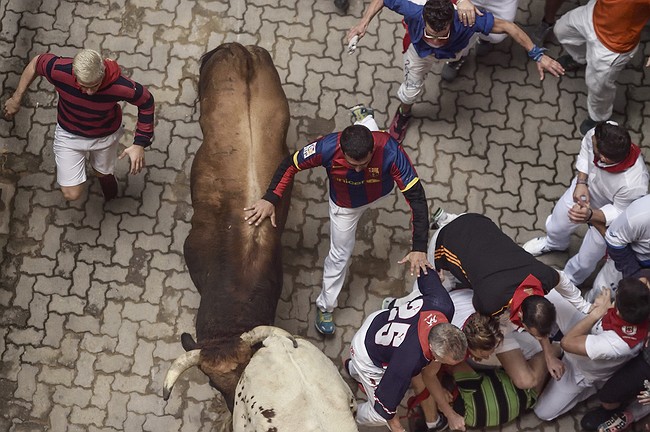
[(88, 66)]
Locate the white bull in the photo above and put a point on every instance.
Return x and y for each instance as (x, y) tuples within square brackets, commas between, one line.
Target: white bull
[(289, 386)]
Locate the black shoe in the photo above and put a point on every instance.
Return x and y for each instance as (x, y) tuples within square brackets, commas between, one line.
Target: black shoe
[(342, 4), (587, 125), (441, 425), (595, 418), (569, 64), (450, 70)]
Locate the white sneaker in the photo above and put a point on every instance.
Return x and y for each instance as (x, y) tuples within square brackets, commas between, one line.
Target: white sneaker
[(440, 218), (537, 246)]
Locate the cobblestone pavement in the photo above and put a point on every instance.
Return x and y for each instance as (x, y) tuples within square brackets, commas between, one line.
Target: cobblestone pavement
[(94, 297)]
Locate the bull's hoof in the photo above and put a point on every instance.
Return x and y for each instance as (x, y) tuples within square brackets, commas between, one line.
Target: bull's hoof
[(343, 5), (187, 341)]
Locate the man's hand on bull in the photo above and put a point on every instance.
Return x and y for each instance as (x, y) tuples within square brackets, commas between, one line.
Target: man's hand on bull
[(259, 211), (136, 156), (418, 262)]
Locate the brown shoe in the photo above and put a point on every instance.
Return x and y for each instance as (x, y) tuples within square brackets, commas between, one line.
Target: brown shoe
[(108, 183)]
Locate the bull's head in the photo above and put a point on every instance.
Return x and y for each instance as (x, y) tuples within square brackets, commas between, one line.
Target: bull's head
[(223, 373)]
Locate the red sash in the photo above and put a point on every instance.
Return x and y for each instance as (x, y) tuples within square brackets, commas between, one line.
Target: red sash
[(632, 334), (532, 284), (626, 163)]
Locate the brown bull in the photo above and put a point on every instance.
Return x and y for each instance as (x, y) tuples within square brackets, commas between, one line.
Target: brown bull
[(237, 268)]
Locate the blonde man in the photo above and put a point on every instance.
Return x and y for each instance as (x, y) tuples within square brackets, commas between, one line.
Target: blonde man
[(89, 118)]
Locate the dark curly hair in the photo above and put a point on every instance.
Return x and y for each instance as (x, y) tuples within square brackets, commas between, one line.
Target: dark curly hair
[(438, 14), (612, 141)]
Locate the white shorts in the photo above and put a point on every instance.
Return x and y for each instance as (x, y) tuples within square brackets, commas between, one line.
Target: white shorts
[(70, 153)]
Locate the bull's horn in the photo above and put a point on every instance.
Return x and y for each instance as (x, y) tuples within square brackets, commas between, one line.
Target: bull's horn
[(259, 333), (180, 365)]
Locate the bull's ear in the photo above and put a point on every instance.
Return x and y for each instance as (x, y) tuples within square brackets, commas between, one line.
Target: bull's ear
[(180, 365), (259, 333)]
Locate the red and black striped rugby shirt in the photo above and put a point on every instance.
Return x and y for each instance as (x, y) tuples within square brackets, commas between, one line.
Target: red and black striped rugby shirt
[(97, 115)]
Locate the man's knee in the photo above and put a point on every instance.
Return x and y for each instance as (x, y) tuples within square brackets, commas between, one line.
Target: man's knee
[(524, 381), (543, 412), (409, 91), (71, 193)]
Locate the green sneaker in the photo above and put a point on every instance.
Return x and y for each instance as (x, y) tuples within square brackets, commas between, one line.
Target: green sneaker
[(324, 322), (360, 112)]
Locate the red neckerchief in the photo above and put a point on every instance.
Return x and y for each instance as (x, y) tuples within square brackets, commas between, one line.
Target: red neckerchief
[(630, 160), (530, 283), (632, 334)]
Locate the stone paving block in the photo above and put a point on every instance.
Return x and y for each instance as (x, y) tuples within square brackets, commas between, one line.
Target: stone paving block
[(140, 312), (24, 291), (101, 391), (98, 344), (38, 311), (58, 417), (127, 338), (69, 350), (67, 304), (87, 416), (42, 401), (112, 363), (56, 375), (27, 336), (85, 370), (26, 382)]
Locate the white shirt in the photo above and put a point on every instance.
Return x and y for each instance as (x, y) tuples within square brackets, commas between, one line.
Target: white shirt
[(612, 193), (633, 228)]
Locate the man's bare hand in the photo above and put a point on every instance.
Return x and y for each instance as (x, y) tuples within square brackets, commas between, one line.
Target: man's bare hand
[(603, 302), (12, 106), (456, 422), (418, 262), (549, 65), (259, 211), (467, 12), (136, 157), (555, 367)]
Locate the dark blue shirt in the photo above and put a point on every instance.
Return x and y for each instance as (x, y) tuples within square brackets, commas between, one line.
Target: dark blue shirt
[(397, 340), (458, 38)]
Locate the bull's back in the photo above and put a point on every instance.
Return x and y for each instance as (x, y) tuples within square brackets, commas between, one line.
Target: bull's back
[(244, 119)]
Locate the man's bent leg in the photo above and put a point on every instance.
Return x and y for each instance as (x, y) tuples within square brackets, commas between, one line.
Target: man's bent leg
[(558, 225), (343, 227), (582, 264), (524, 374), (560, 396), (70, 159)]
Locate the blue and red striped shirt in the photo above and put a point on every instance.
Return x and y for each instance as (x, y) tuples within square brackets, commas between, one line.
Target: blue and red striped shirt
[(97, 115), (388, 166)]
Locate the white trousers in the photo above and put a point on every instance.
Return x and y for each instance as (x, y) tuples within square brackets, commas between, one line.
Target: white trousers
[(560, 396), (343, 229), (575, 31), (608, 277), (364, 371), (558, 233), (416, 69), (502, 9)]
